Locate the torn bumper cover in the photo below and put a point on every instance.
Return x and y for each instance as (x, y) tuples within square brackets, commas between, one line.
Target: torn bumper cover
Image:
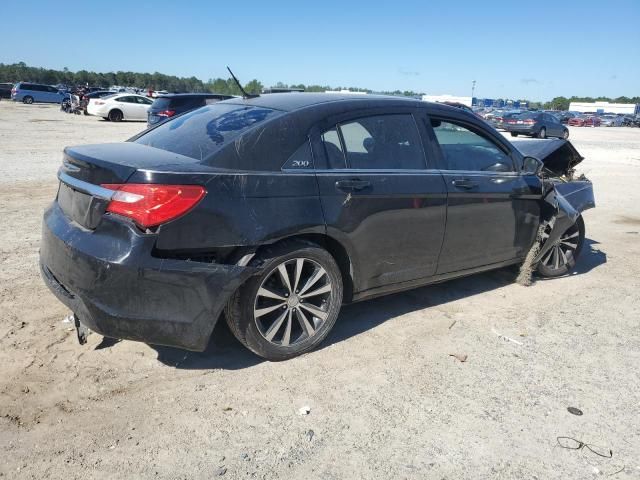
[(110, 280)]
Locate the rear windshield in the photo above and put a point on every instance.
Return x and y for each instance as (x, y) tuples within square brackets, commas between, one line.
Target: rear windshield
[(161, 103), (526, 115), (202, 132)]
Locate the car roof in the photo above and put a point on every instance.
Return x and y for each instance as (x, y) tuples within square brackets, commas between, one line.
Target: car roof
[(292, 101), (182, 95)]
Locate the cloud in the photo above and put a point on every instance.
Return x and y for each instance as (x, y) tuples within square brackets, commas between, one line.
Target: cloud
[(408, 73), (529, 81)]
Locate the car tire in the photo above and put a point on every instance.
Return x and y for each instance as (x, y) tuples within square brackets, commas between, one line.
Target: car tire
[(548, 267), (106, 118), (565, 134), (542, 133), (268, 314), (115, 115), (514, 134), (28, 100)]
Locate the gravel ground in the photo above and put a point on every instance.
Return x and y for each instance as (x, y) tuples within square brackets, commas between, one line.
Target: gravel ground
[(386, 398)]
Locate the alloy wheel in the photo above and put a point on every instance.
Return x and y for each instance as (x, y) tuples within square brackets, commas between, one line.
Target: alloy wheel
[(564, 251), (293, 301)]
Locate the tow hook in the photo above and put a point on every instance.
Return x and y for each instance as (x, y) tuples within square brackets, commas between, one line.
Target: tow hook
[(82, 331)]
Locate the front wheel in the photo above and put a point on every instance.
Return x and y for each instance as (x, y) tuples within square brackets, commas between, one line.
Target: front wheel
[(561, 258), (565, 134), (514, 134), (28, 100), (291, 306)]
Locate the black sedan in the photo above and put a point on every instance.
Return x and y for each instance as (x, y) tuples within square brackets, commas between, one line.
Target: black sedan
[(279, 209), (536, 124)]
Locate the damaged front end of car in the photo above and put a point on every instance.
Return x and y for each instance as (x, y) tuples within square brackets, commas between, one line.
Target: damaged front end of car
[(561, 229)]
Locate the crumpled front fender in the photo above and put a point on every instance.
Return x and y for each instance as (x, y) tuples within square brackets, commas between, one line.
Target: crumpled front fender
[(564, 204)]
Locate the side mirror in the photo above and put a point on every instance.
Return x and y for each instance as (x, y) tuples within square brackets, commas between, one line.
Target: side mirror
[(532, 166)]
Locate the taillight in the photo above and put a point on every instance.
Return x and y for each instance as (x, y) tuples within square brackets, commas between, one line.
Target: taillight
[(150, 205), (529, 122), (166, 113)]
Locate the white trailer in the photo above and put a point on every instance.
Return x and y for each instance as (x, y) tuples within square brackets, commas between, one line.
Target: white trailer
[(604, 107), (447, 98)]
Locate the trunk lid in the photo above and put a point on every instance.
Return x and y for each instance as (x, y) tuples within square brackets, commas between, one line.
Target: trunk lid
[(85, 168)]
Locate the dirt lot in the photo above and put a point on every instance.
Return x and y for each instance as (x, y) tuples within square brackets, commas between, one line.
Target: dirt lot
[(387, 400)]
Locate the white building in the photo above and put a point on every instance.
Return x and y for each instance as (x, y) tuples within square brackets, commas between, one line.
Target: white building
[(447, 98), (604, 107)]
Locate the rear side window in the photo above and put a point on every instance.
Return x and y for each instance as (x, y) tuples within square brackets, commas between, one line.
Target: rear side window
[(201, 133), (377, 142), (466, 149)]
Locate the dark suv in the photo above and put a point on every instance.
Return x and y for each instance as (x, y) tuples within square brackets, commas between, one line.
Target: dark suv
[(168, 106), (5, 90), (279, 209)]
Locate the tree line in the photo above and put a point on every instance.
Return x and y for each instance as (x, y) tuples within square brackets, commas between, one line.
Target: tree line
[(17, 72)]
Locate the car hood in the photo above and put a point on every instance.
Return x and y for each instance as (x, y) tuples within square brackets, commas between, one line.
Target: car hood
[(559, 156)]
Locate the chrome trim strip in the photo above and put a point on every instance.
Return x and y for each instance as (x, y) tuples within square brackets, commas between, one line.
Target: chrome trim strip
[(85, 187)]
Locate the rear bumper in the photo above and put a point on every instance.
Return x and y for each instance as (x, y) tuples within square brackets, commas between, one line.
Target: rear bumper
[(525, 130), (110, 280)]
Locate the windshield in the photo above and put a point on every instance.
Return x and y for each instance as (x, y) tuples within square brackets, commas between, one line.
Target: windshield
[(201, 133)]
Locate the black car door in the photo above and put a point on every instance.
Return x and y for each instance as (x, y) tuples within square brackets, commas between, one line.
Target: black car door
[(554, 127), (492, 210), (379, 198)]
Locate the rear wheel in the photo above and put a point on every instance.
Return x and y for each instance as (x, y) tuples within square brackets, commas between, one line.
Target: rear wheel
[(542, 133), (291, 306), (115, 115), (561, 258), (28, 100), (565, 134), (514, 134)]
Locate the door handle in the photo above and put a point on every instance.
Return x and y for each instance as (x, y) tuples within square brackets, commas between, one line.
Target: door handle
[(464, 183), (352, 185)]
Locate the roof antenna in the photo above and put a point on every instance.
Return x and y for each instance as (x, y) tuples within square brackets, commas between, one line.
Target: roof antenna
[(244, 93)]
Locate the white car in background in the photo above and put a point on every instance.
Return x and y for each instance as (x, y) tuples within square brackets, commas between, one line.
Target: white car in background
[(121, 106)]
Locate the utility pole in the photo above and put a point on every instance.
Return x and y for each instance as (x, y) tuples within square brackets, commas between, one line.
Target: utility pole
[(473, 89)]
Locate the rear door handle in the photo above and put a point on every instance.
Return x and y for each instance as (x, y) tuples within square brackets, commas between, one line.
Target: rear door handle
[(464, 183), (352, 185)]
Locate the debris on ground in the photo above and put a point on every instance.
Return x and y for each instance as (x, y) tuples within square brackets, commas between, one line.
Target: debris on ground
[(221, 471), (460, 356), (508, 339), (310, 434), (452, 324), (68, 319), (574, 411), (306, 410)]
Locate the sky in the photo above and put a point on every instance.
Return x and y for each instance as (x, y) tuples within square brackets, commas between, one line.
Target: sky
[(535, 50)]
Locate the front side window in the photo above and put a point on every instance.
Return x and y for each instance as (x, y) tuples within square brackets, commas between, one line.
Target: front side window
[(464, 149), (379, 142)]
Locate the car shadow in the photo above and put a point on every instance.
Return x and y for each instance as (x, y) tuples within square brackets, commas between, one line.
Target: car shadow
[(225, 352)]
